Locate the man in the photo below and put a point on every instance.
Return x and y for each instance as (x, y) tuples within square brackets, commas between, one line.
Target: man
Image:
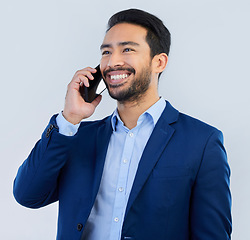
[(145, 172)]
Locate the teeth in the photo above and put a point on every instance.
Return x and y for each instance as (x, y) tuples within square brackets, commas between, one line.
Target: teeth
[(121, 76)]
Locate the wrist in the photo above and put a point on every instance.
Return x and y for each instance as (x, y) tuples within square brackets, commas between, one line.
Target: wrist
[(72, 118)]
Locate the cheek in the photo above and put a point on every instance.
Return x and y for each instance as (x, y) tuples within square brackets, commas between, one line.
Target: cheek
[(131, 60), (103, 64)]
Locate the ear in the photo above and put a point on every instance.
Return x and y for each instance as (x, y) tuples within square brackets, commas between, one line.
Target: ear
[(159, 62)]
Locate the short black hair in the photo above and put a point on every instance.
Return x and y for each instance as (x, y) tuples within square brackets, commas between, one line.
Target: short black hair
[(158, 37)]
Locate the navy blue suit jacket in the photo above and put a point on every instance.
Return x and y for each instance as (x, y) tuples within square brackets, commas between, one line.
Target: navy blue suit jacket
[(180, 192)]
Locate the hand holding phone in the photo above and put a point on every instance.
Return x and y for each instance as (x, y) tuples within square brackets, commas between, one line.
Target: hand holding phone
[(76, 108), (96, 87)]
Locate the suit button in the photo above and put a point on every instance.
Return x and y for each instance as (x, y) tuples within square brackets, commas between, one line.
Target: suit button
[(49, 130), (79, 227)]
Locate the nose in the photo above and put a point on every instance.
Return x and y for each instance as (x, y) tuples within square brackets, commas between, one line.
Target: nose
[(115, 60)]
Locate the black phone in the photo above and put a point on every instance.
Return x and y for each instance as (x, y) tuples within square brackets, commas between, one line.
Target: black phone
[(96, 87)]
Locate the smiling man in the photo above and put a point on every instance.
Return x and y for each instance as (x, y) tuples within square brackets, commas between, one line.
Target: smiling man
[(145, 172), (127, 64)]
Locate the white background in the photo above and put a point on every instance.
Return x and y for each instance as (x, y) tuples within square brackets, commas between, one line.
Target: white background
[(43, 43)]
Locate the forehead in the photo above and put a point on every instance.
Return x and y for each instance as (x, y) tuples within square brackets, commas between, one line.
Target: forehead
[(126, 32)]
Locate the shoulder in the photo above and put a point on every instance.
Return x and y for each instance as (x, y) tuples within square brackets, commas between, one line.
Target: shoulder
[(195, 123), (187, 125)]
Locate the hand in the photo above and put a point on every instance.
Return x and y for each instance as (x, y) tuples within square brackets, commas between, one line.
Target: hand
[(75, 108)]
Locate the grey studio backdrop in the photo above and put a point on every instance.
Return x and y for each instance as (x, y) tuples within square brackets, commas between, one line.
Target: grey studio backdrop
[(44, 42)]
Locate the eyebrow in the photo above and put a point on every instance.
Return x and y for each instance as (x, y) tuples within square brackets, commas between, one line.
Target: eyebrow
[(119, 44)]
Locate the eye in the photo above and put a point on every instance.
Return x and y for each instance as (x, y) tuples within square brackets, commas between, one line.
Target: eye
[(128, 50), (105, 52)]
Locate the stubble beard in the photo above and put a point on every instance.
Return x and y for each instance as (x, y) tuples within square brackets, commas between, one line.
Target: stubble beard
[(135, 91)]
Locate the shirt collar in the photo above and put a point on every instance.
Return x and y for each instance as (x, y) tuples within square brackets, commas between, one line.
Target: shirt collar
[(154, 111)]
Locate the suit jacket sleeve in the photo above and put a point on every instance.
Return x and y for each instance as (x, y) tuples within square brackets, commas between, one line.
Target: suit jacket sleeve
[(36, 182), (211, 201)]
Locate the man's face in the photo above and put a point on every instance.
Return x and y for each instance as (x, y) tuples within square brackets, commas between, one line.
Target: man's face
[(126, 62)]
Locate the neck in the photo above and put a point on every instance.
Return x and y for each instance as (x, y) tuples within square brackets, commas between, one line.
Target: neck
[(129, 112)]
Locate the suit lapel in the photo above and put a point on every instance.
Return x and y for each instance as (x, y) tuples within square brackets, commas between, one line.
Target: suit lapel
[(156, 144), (102, 141)]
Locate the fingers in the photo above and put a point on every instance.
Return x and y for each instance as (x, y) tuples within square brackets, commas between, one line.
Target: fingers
[(83, 80), (83, 76)]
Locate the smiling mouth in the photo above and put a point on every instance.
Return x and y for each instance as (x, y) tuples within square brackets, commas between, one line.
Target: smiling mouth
[(119, 76), (116, 78)]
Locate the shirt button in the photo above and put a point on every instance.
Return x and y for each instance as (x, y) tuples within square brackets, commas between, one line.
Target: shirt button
[(70, 133), (120, 189), (131, 134), (116, 219), (125, 160)]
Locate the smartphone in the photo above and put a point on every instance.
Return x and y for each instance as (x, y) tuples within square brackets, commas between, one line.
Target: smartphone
[(96, 87)]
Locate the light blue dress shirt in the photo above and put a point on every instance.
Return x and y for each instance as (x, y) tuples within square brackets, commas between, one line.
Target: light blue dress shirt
[(124, 153)]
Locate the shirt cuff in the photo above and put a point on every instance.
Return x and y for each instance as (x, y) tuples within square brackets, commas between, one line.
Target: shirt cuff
[(66, 128)]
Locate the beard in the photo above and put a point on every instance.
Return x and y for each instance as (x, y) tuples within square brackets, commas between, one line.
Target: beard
[(135, 91)]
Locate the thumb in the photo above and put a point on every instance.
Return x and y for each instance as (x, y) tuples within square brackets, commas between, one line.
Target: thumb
[(97, 100)]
